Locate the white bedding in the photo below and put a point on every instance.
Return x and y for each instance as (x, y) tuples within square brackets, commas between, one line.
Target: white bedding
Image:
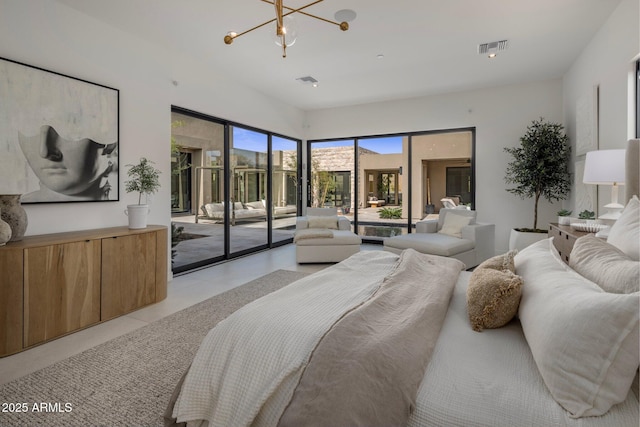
[(490, 379), (243, 381)]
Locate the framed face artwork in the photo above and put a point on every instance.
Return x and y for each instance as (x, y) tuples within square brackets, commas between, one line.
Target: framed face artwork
[(58, 136)]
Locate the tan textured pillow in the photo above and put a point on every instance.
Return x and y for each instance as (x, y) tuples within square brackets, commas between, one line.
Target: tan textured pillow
[(493, 297), (453, 224), (605, 265), (502, 262), (329, 221)]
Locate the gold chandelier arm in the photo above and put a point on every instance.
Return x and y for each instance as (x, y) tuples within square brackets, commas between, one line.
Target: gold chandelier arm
[(228, 39), (344, 26), (299, 10)]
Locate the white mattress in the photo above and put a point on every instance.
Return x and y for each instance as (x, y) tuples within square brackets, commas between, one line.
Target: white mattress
[(490, 379)]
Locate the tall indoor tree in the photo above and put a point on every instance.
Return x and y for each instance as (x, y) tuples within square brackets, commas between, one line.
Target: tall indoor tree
[(540, 166)]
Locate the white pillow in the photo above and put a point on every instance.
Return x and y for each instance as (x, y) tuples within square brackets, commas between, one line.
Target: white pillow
[(625, 232), (330, 221), (583, 340), (606, 265), (453, 224)]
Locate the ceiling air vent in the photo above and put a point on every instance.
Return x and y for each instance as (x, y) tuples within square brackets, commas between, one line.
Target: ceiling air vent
[(307, 80), (492, 48)]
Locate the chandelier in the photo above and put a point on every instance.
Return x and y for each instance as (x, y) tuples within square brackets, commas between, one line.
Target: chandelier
[(285, 28)]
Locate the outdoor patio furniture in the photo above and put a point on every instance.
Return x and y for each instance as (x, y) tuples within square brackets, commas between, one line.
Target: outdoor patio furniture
[(250, 210), (458, 237), (322, 236), (452, 202), (374, 202)]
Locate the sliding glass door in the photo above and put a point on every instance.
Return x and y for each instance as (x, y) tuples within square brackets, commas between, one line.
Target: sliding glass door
[(382, 162), (332, 172), (235, 189), (248, 168), (286, 191), (385, 184)]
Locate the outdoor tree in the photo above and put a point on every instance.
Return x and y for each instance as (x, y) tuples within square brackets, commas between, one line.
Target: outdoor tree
[(322, 183)]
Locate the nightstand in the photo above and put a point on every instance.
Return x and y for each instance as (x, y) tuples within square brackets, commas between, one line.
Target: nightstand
[(563, 239)]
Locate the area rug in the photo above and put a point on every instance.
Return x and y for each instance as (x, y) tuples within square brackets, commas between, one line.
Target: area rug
[(126, 381)]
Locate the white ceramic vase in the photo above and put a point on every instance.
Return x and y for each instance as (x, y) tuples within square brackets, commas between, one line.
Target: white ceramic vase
[(137, 215)]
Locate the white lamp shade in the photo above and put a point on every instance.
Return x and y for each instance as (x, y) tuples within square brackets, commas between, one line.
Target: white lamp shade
[(604, 167)]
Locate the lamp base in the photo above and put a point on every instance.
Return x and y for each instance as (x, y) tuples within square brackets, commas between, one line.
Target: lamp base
[(614, 210)]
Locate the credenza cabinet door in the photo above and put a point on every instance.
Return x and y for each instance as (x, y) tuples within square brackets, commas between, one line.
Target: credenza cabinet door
[(11, 299), (54, 284), (128, 273), (61, 289)]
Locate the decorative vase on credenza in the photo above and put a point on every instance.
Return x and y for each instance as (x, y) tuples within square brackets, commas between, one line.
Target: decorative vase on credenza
[(5, 232), (12, 212)]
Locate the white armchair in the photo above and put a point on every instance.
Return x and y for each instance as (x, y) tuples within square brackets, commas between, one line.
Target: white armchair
[(322, 236), (458, 237)]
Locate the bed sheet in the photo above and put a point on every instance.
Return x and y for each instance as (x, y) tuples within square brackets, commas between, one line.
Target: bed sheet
[(490, 379)]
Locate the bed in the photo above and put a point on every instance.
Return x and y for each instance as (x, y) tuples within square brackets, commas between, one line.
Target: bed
[(386, 339)]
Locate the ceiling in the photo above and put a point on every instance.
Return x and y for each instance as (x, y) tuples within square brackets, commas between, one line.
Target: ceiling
[(429, 46)]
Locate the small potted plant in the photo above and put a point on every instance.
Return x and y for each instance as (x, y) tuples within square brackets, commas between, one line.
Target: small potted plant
[(587, 216), (564, 217), (143, 179)]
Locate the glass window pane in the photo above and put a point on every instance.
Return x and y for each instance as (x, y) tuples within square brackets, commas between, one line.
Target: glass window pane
[(332, 175), (381, 162), (196, 183), (284, 187), (248, 163)]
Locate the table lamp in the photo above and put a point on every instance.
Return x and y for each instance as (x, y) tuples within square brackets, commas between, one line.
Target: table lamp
[(606, 167)]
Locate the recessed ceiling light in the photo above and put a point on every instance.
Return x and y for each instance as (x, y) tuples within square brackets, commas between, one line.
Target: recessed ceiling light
[(380, 56), (345, 15)]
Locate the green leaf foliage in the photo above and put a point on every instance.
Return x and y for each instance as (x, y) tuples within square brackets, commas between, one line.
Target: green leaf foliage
[(540, 166), (144, 178), (390, 213), (587, 214)]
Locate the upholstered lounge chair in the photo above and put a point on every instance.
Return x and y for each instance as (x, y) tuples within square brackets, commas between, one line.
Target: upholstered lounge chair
[(322, 236), (471, 243)]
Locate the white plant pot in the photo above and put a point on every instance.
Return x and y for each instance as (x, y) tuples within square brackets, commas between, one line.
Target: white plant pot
[(137, 215), (521, 239), (564, 220)]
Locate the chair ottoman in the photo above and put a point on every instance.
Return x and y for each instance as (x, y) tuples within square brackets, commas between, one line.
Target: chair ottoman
[(330, 245)]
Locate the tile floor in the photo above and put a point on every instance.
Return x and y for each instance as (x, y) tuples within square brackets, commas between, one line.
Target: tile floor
[(184, 291)]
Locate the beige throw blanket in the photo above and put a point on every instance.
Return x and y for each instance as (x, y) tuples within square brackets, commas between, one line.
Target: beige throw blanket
[(249, 366), (312, 233), (367, 369)]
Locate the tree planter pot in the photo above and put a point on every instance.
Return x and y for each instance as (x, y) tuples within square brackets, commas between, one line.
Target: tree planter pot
[(137, 216), (521, 239)]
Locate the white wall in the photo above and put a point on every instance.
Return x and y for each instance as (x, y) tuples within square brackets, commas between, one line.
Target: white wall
[(48, 35), (500, 115), (607, 62)]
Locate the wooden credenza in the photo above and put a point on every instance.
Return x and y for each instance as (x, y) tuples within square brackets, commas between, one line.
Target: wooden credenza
[(55, 284), (564, 238)]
